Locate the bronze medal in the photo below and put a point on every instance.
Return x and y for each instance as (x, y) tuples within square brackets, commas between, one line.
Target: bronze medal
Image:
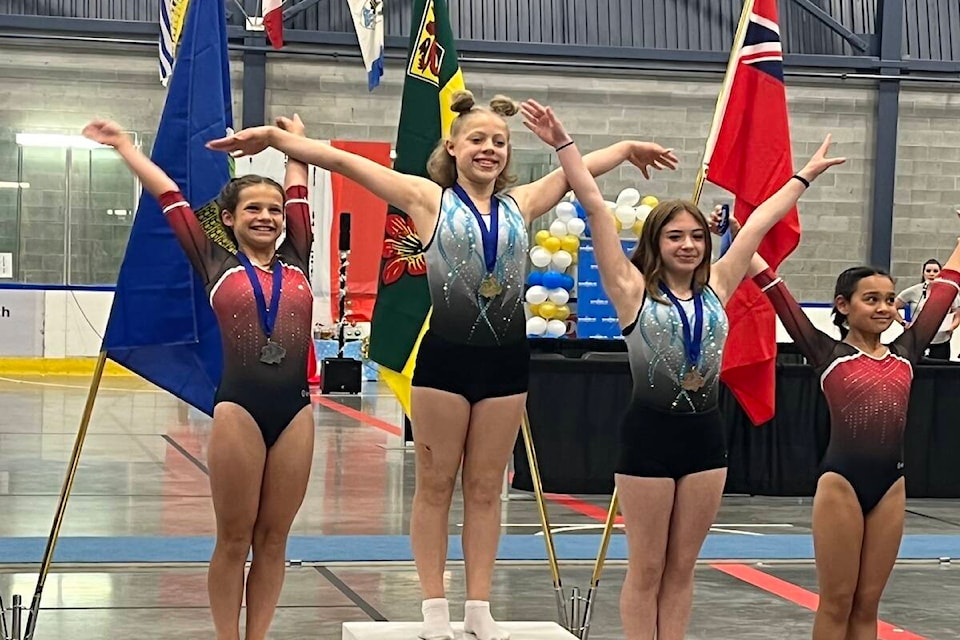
[(692, 381)]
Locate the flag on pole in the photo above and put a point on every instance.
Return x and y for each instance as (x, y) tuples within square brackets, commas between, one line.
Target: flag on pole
[(273, 22), (368, 21), (171, 25), (749, 154), (161, 326), (403, 300)]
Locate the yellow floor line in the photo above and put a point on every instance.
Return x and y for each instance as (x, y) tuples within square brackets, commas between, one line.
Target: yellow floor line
[(57, 367)]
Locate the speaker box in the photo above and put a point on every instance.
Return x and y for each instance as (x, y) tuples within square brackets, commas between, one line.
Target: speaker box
[(340, 375)]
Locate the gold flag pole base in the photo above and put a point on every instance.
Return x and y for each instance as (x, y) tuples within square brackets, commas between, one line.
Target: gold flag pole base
[(62, 505)]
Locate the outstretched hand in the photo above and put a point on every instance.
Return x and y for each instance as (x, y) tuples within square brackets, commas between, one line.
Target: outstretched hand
[(292, 125), (247, 142), (820, 162), (544, 123), (106, 132), (647, 155)]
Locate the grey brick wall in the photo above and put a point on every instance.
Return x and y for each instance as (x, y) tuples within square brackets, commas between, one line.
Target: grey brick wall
[(928, 180), (600, 110), (62, 91), (59, 93)]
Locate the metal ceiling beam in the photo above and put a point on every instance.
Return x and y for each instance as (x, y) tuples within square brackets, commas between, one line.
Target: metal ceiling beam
[(834, 25)]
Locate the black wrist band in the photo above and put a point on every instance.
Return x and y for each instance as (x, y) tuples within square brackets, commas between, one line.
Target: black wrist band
[(564, 145), (805, 182)]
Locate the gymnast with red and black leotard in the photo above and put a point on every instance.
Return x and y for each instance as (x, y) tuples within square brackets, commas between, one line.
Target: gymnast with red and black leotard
[(858, 508), (261, 442)]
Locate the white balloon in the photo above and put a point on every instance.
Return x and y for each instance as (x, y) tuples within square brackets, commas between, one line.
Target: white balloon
[(559, 296), (565, 211), (537, 294), (626, 215), (539, 256), (536, 326), (576, 226), (562, 259), (555, 328), (629, 197), (610, 205), (558, 228), (643, 211)]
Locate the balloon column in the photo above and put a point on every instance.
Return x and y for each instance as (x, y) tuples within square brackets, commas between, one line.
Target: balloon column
[(549, 284), (556, 250)]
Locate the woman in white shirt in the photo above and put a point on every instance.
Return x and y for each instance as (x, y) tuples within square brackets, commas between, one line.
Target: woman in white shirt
[(913, 298)]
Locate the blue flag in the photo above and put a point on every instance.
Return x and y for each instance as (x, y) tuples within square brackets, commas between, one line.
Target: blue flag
[(161, 325)]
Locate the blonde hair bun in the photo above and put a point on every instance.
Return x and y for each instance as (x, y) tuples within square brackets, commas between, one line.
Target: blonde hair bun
[(504, 106), (462, 102)]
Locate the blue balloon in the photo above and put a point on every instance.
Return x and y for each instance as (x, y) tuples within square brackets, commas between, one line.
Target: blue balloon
[(581, 212), (552, 280), (586, 231), (535, 278), (567, 281)]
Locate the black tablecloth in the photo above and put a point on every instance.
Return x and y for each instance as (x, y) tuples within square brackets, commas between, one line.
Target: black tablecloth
[(578, 394)]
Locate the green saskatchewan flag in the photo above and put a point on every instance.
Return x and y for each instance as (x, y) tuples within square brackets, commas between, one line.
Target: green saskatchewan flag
[(402, 310)]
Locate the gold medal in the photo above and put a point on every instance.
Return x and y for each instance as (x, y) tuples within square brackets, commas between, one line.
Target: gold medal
[(692, 381), (490, 287)]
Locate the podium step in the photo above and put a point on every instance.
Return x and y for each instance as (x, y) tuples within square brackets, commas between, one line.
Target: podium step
[(409, 631)]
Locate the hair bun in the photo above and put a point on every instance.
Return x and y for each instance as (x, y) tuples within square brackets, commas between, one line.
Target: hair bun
[(504, 106), (462, 102)]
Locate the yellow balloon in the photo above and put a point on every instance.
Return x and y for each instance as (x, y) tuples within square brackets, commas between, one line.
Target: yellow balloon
[(573, 257), (541, 236), (534, 309), (638, 227), (552, 244), (650, 201), (548, 310), (562, 313), (618, 224), (570, 244)]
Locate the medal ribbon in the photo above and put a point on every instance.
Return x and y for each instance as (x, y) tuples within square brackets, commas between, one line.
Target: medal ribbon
[(691, 343), (489, 236), (268, 315)]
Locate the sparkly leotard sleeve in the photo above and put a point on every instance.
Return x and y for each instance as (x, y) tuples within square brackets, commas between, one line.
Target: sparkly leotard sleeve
[(271, 393), (867, 396)]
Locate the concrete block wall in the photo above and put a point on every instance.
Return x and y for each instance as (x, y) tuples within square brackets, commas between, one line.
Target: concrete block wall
[(60, 91)]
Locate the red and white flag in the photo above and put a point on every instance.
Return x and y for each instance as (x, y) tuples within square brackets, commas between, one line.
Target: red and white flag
[(749, 154), (273, 22)]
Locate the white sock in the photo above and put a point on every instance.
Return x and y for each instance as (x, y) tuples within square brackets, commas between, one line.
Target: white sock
[(478, 621), (436, 620)]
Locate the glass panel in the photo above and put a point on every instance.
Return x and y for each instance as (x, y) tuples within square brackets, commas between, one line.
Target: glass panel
[(102, 203), (42, 215)]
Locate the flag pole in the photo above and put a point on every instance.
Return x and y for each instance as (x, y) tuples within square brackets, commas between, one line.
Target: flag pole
[(544, 516), (722, 98), (65, 494), (598, 566)]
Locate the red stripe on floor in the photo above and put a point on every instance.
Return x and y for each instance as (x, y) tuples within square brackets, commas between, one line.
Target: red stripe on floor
[(799, 595), (365, 418), (583, 508)]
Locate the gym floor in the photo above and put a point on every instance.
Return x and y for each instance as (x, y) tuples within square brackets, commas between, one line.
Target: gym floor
[(139, 527)]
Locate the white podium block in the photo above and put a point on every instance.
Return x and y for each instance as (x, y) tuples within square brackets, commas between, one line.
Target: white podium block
[(409, 631)]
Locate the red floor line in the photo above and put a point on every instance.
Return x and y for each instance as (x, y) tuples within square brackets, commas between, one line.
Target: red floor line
[(365, 418), (764, 581), (799, 595)]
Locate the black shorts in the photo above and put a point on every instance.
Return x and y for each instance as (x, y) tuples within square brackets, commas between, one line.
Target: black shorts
[(665, 444), (476, 373)]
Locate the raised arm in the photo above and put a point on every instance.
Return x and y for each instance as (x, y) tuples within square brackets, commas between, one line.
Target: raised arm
[(941, 295), (540, 196), (728, 271), (196, 244), (813, 343), (152, 177), (418, 197), (297, 206), (622, 282)]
